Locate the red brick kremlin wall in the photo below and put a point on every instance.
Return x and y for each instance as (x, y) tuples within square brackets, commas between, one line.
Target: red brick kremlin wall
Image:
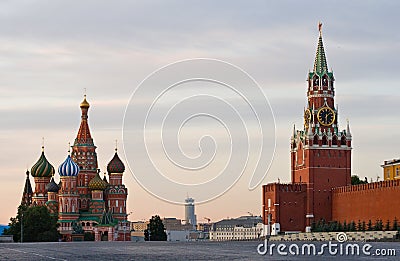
[(373, 201), (288, 205)]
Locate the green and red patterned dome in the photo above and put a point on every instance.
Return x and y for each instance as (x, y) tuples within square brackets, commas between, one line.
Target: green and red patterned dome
[(116, 165), (42, 167), (97, 183)]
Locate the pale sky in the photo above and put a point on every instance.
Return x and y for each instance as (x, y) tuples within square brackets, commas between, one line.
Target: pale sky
[(50, 51)]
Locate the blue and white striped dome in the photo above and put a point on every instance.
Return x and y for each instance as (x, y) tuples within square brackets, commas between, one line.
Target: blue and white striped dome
[(68, 168)]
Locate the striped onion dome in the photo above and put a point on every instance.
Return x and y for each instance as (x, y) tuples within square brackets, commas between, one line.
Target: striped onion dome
[(68, 168), (116, 165), (42, 167), (97, 183), (52, 186)]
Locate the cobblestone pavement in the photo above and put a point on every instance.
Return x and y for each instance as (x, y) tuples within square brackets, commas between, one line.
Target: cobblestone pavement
[(170, 251)]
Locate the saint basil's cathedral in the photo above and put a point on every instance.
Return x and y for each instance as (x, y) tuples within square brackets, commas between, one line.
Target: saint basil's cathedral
[(82, 200)]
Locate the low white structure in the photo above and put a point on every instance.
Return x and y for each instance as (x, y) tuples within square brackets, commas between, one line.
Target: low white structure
[(178, 235), (242, 228)]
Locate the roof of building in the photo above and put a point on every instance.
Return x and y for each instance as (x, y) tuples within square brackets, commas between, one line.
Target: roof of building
[(116, 165), (28, 186), (52, 186), (42, 168), (243, 221), (68, 167), (84, 103), (84, 137), (391, 162), (97, 183)]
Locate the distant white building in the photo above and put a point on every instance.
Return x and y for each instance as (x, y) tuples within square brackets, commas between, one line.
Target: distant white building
[(175, 235), (242, 228), (190, 217)]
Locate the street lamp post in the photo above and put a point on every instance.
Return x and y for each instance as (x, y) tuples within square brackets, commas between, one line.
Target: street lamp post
[(22, 227)]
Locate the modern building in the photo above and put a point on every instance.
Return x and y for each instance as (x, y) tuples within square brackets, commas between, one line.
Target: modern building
[(320, 187), (190, 217), (174, 224), (242, 228), (82, 198), (391, 169)]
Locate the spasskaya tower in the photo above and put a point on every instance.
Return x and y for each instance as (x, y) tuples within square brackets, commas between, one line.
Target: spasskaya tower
[(320, 158), (320, 152)]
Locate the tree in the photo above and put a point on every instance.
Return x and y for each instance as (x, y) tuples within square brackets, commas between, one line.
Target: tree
[(369, 225), (395, 224), (378, 225), (359, 226), (355, 180), (387, 226), (38, 225), (155, 230), (15, 224), (352, 226), (345, 226)]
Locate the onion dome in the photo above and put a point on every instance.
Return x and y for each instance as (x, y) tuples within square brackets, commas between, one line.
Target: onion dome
[(116, 165), (52, 186), (42, 167), (68, 168), (97, 183), (84, 103)]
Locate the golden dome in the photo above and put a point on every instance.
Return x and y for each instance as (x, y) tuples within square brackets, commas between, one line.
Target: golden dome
[(84, 103), (97, 183)]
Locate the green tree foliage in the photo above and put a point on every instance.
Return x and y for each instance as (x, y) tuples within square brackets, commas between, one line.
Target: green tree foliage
[(155, 230), (336, 226), (352, 226), (369, 225), (395, 224), (359, 226), (378, 225), (387, 226), (38, 225), (345, 226), (355, 180)]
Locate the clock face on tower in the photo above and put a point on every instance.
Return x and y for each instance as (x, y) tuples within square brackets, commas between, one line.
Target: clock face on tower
[(326, 116)]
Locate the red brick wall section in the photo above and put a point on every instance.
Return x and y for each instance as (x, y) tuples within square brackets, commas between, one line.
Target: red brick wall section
[(379, 200), (288, 205)]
